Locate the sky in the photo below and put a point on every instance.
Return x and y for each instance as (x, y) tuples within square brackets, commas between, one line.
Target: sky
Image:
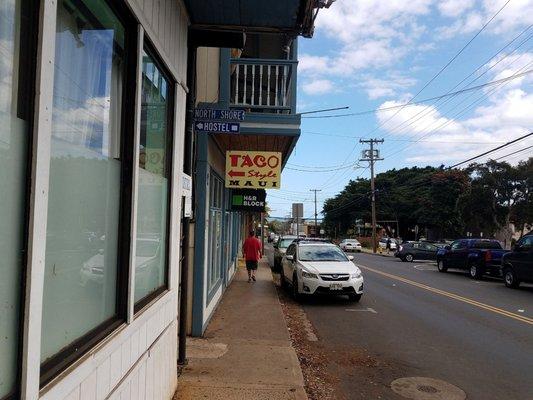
[(372, 55)]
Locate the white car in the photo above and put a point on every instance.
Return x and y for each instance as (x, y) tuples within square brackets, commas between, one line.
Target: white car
[(315, 267), (350, 245)]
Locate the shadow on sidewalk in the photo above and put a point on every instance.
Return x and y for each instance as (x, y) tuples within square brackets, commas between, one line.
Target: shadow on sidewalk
[(246, 352)]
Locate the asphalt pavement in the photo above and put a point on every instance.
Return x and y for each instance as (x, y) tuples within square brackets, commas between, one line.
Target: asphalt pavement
[(416, 322)]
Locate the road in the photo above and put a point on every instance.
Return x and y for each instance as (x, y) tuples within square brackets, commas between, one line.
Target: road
[(414, 321)]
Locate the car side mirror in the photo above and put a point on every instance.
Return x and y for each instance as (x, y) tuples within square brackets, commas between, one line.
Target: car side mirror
[(447, 247), (350, 258), (290, 257)]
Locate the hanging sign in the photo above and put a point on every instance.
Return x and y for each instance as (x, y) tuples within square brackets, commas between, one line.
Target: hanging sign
[(253, 169), (248, 200), (217, 114), (217, 127)]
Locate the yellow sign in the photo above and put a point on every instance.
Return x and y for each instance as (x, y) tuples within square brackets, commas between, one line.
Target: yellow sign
[(253, 169)]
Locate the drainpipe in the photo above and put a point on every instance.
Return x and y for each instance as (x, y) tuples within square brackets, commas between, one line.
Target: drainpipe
[(188, 160)]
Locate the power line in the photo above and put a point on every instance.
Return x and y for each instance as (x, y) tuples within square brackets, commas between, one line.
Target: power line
[(451, 60), (388, 140), (492, 150), (430, 81), (319, 170), (432, 110), (452, 119), (442, 96), (513, 153)]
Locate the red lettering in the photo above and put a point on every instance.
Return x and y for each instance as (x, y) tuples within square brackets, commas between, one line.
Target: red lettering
[(234, 159), (260, 161), (273, 161), (247, 161)]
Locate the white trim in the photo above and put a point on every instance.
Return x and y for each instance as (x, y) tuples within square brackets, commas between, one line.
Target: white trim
[(175, 200), (135, 177), (40, 172)]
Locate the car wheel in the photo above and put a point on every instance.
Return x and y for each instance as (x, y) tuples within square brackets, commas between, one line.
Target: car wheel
[(441, 267), (475, 271), (295, 292), (409, 257), (355, 296), (510, 278)]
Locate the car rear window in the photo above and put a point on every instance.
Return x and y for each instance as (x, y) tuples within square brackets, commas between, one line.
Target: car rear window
[(487, 244), (284, 243)]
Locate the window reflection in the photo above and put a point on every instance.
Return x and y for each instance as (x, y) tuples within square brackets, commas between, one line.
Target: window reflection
[(154, 171), (83, 211)]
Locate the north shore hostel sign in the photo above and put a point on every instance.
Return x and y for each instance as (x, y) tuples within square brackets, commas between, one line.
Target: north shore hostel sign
[(216, 114), (248, 200), (253, 169)]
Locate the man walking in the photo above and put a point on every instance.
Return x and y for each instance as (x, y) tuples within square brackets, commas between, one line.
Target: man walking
[(251, 250)]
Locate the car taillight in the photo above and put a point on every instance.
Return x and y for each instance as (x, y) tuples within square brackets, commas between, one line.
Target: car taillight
[(488, 255)]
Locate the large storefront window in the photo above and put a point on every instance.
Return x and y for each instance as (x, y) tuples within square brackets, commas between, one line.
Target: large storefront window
[(14, 138), (216, 197), (154, 187), (80, 283)]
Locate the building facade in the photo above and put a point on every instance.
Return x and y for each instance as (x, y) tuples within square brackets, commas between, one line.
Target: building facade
[(95, 138)]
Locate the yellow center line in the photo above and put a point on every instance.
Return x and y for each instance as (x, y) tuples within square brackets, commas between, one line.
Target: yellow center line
[(484, 306)]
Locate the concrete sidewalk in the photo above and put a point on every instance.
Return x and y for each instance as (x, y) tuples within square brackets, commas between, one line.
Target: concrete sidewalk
[(246, 352)]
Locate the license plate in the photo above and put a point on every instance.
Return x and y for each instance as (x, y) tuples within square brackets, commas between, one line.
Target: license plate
[(335, 286)]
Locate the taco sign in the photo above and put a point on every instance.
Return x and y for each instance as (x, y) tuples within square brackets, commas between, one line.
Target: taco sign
[(253, 169)]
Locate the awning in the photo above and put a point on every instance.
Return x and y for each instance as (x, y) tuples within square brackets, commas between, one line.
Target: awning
[(293, 17)]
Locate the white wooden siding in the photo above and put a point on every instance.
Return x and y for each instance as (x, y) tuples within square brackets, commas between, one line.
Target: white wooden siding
[(165, 23), (142, 355)]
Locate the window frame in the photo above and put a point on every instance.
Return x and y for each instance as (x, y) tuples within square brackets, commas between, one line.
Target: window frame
[(152, 52), (28, 46), (59, 362)]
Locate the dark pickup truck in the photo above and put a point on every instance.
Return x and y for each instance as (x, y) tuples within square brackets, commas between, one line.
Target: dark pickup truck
[(478, 256)]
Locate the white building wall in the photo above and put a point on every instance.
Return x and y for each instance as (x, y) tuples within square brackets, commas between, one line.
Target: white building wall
[(138, 360)]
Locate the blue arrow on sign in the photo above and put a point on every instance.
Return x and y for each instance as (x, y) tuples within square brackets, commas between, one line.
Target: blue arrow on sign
[(217, 127)]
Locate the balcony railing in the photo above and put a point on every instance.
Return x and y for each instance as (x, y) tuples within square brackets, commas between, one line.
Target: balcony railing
[(267, 86)]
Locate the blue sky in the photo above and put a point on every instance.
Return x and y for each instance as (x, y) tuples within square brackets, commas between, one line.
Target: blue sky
[(370, 54)]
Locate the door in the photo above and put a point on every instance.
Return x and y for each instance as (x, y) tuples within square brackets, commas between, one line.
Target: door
[(456, 257), (523, 259), (288, 265), (429, 251)]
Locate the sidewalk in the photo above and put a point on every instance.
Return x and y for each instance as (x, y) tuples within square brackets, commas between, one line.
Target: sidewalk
[(246, 353)]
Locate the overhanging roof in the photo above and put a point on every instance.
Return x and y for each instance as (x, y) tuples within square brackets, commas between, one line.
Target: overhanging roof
[(283, 143), (289, 16)]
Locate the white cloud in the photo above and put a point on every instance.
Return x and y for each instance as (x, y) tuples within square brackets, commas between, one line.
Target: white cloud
[(454, 8), (444, 140), (516, 15), (388, 86), (318, 86), (313, 64)]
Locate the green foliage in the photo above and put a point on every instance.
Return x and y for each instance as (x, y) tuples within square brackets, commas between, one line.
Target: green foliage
[(448, 203)]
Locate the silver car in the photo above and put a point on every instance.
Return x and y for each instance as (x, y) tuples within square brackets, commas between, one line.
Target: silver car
[(280, 247)]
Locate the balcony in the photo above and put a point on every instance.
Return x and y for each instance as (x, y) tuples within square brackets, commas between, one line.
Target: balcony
[(263, 86)]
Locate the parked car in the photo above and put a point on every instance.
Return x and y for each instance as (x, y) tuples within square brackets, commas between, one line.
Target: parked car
[(478, 256), (350, 245), (280, 247), (314, 267), (517, 265), (417, 251), (383, 243)]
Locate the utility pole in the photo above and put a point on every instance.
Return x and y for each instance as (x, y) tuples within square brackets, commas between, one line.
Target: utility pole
[(372, 156), (316, 215)]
